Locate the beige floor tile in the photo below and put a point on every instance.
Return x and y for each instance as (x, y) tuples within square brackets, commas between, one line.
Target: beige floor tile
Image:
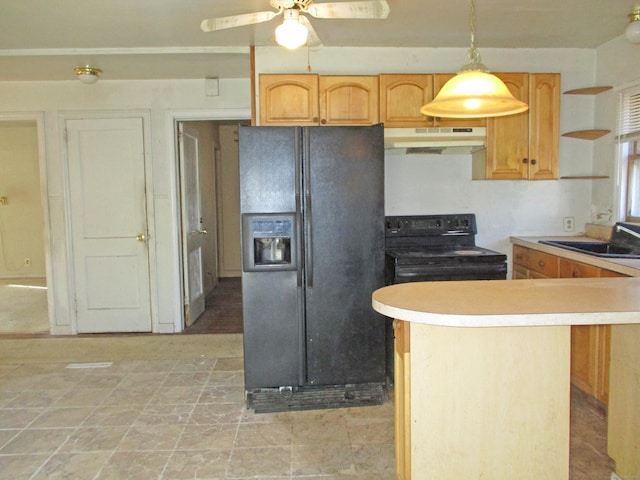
[(234, 364), (176, 396), (124, 395), (212, 414), (134, 466), (201, 364), (222, 394), (111, 416), (143, 379), (156, 437), (328, 460), (372, 432), (165, 415), (375, 459), (18, 417), (265, 461), (46, 440), (102, 380), (93, 439), (226, 378), (186, 379), (35, 398), (85, 397), (197, 464), (208, 437), (320, 429), (62, 417), (264, 434), (76, 466), (7, 435), (20, 467)]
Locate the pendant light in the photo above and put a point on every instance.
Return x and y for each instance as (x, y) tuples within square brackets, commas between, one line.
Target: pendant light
[(473, 92)]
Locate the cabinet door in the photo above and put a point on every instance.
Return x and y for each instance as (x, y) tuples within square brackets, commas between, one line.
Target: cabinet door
[(288, 99), (544, 125), (348, 100), (508, 137), (439, 79), (542, 265), (401, 97)]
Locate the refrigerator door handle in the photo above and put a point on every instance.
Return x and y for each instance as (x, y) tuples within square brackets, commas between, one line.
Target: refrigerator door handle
[(298, 241), (309, 249)]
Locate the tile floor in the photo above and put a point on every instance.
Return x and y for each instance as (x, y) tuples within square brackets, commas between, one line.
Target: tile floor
[(169, 418)]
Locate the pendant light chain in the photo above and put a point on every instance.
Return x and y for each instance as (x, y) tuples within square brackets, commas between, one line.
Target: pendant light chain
[(474, 54)]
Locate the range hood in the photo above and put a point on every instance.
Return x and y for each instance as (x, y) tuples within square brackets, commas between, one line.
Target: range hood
[(435, 140)]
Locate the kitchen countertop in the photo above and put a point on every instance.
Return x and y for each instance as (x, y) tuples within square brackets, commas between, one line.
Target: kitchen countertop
[(624, 266), (508, 303)]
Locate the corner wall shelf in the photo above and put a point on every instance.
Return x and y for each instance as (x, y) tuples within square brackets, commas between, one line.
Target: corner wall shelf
[(586, 134), (588, 90)]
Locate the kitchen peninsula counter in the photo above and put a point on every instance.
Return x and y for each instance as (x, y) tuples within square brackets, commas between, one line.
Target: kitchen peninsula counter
[(482, 379)]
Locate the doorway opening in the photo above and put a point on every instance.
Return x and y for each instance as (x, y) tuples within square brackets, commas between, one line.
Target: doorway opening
[(207, 153), (23, 283)]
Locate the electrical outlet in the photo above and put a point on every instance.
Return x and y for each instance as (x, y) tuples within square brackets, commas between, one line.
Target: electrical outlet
[(27, 262), (568, 224)]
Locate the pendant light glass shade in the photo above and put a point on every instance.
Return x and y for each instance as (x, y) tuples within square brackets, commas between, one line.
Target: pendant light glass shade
[(291, 33), (473, 92)]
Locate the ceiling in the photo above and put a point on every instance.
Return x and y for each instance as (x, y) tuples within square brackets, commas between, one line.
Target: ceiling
[(139, 39)]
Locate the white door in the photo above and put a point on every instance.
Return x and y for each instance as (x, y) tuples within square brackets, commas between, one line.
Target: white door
[(193, 229), (109, 224)]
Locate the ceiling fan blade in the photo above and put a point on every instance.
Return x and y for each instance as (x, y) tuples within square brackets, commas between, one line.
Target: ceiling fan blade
[(213, 24), (313, 41), (366, 9)]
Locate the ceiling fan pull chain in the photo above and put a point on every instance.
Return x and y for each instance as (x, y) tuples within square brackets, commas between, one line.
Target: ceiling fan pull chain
[(308, 59)]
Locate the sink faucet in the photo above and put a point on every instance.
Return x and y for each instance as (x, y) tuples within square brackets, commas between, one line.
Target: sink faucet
[(620, 228)]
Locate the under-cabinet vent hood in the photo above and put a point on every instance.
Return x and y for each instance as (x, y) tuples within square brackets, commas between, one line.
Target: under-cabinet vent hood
[(435, 140)]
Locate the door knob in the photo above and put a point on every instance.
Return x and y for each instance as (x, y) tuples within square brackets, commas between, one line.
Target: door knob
[(141, 237)]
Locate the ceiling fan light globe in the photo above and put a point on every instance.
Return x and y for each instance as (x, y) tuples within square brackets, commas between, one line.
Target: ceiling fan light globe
[(291, 34)]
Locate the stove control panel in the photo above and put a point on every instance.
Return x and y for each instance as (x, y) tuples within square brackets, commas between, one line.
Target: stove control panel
[(462, 224)]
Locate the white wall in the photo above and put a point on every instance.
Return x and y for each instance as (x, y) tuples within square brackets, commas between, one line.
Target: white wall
[(432, 184), (156, 98)]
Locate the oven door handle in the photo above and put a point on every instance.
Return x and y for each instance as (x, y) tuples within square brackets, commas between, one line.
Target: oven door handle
[(455, 232)]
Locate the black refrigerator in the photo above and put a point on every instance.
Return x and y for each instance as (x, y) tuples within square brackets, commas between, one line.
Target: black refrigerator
[(312, 205)]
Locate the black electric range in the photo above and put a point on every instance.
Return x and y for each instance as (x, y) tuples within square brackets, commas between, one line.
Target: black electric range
[(422, 248)]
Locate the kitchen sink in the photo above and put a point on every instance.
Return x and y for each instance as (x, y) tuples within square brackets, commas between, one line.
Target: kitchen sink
[(598, 249)]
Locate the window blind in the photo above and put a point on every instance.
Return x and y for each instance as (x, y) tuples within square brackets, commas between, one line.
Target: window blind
[(629, 114)]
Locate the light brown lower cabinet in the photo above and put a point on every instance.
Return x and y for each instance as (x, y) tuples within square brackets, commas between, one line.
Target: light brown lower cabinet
[(590, 344)]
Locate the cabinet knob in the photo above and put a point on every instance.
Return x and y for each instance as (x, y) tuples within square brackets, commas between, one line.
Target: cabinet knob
[(525, 160), (315, 119), (323, 121), (575, 273), (541, 263), (534, 161)]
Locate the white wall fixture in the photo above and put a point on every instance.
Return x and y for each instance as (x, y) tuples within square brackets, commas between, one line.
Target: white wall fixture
[(473, 92), (632, 32), (88, 74)]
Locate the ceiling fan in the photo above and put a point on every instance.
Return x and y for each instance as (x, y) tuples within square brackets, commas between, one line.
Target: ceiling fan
[(296, 30)]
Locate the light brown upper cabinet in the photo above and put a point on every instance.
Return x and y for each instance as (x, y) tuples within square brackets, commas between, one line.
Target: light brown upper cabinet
[(526, 145), (402, 95), (310, 99)]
